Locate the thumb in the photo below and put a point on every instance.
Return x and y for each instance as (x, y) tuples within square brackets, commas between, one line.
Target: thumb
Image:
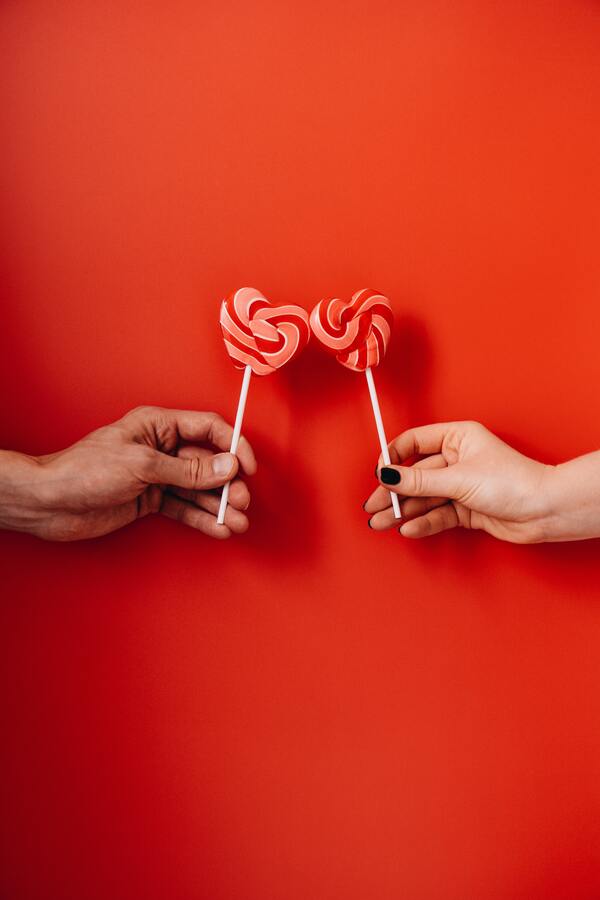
[(195, 472), (416, 481)]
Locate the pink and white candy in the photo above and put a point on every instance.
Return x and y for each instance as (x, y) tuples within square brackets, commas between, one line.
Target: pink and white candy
[(259, 338), (357, 332), (259, 335)]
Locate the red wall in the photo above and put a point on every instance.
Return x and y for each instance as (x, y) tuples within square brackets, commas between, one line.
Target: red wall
[(313, 710)]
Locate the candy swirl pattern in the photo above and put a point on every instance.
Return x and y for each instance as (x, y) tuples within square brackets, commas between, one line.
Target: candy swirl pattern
[(357, 332), (260, 335)]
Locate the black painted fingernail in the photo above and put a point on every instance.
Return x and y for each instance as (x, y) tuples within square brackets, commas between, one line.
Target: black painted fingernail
[(369, 523), (389, 476)]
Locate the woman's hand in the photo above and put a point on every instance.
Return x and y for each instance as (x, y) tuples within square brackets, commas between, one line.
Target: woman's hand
[(149, 461), (468, 477)]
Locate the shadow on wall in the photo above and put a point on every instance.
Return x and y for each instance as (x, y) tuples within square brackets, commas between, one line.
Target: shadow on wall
[(406, 373), (286, 529), (319, 383), (570, 565)]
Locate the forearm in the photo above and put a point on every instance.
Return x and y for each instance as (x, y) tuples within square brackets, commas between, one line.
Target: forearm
[(575, 500), (19, 491)]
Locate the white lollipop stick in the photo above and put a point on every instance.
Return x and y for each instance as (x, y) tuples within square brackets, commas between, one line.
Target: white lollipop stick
[(237, 430), (382, 438)]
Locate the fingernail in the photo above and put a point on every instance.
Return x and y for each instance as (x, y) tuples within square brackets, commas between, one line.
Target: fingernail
[(222, 464), (369, 523), (389, 476)]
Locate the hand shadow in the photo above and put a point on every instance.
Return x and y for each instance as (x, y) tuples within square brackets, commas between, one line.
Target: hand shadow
[(283, 528)]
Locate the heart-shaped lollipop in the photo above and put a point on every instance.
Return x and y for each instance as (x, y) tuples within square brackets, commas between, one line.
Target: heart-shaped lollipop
[(259, 335), (259, 338), (358, 333)]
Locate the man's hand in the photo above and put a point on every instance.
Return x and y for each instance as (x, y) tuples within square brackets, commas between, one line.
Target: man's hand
[(151, 460)]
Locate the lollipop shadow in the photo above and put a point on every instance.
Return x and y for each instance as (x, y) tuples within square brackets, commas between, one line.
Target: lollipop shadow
[(284, 527), (405, 374), (403, 378), (318, 382)]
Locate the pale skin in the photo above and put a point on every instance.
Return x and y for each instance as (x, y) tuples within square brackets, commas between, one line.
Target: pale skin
[(467, 477), (152, 460)]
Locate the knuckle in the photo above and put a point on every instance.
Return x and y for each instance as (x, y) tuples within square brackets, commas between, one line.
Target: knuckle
[(142, 410), (180, 513), (417, 478), (216, 421), (196, 471), (463, 515), (162, 428), (243, 526), (426, 526), (533, 533), (173, 509), (150, 501), (239, 494)]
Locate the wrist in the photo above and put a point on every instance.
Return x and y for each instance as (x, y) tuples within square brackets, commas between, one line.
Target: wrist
[(20, 488), (573, 494)]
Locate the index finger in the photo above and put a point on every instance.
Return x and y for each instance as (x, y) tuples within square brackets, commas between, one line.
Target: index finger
[(191, 425), (424, 439), (220, 433)]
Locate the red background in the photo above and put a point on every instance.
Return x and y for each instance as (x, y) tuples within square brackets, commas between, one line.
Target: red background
[(313, 710)]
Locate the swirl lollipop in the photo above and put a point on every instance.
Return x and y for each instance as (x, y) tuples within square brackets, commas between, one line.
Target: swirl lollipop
[(259, 338), (358, 333)]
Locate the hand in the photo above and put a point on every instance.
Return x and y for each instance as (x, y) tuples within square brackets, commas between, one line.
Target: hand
[(470, 478), (147, 462)]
